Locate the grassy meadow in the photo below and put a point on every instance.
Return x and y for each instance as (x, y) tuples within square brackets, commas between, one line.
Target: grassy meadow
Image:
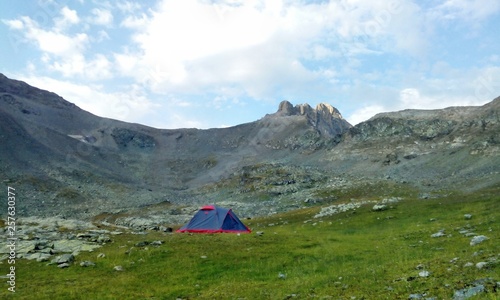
[(358, 254)]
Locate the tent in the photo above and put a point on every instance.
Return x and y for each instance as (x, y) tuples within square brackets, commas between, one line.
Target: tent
[(214, 219)]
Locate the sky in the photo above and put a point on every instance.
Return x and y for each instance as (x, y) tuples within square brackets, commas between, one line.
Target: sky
[(219, 63)]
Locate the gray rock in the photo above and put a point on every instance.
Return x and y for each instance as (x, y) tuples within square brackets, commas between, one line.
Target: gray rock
[(166, 229), (481, 265), (424, 273), (380, 207), (259, 233), (87, 263), (142, 244), (468, 216), (73, 246), (478, 239), (38, 256), (101, 255), (468, 292), (22, 247), (118, 268), (440, 233), (102, 239), (62, 266), (156, 243), (65, 258), (67, 246)]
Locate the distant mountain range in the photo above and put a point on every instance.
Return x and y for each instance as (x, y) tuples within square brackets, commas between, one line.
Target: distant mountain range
[(65, 161)]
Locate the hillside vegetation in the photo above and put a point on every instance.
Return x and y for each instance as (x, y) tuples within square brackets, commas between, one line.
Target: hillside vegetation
[(356, 254)]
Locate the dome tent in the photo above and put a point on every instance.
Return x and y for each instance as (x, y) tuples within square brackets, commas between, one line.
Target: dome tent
[(215, 219)]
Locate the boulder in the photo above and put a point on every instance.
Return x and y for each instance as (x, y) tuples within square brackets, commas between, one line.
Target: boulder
[(478, 239), (67, 246), (118, 268), (87, 263), (38, 256), (70, 246), (65, 258), (440, 233), (22, 247), (380, 207)]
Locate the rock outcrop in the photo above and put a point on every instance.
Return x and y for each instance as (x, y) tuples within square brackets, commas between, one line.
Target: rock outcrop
[(326, 119)]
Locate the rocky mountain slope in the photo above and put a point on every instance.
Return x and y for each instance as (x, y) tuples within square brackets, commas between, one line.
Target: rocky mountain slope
[(65, 161)]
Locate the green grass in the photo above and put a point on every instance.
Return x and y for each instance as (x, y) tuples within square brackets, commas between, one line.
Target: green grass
[(367, 255)]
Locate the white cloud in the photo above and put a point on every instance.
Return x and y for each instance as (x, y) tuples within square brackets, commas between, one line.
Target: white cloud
[(63, 52), (364, 113), (186, 46), (52, 42), (135, 21), (472, 10), (68, 17), (128, 6), (131, 106), (14, 24), (101, 17)]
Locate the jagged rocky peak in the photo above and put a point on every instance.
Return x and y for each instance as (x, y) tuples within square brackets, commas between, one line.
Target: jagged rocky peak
[(325, 108), (287, 109), (325, 118)]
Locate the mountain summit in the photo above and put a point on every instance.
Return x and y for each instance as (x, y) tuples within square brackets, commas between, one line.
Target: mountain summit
[(325, 118)]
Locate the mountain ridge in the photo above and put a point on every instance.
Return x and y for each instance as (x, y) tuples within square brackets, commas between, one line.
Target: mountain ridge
[(72, 163)]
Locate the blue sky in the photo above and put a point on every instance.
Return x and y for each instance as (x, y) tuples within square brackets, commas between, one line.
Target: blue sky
[(209, 63)]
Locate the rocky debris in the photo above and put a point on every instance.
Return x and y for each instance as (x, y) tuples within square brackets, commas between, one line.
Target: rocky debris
[(142, 244), (64, 258), (382, 205), (339, 208), (41, 239), (440, 233), (146, 243), (478, 239), (476, 288), (118, 268), (72, 246), (468, 216), (421, 296), (155, 222), (38, 256), (127, 138), (87, 263), (424, 273), (53, 223), (259, 233)]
